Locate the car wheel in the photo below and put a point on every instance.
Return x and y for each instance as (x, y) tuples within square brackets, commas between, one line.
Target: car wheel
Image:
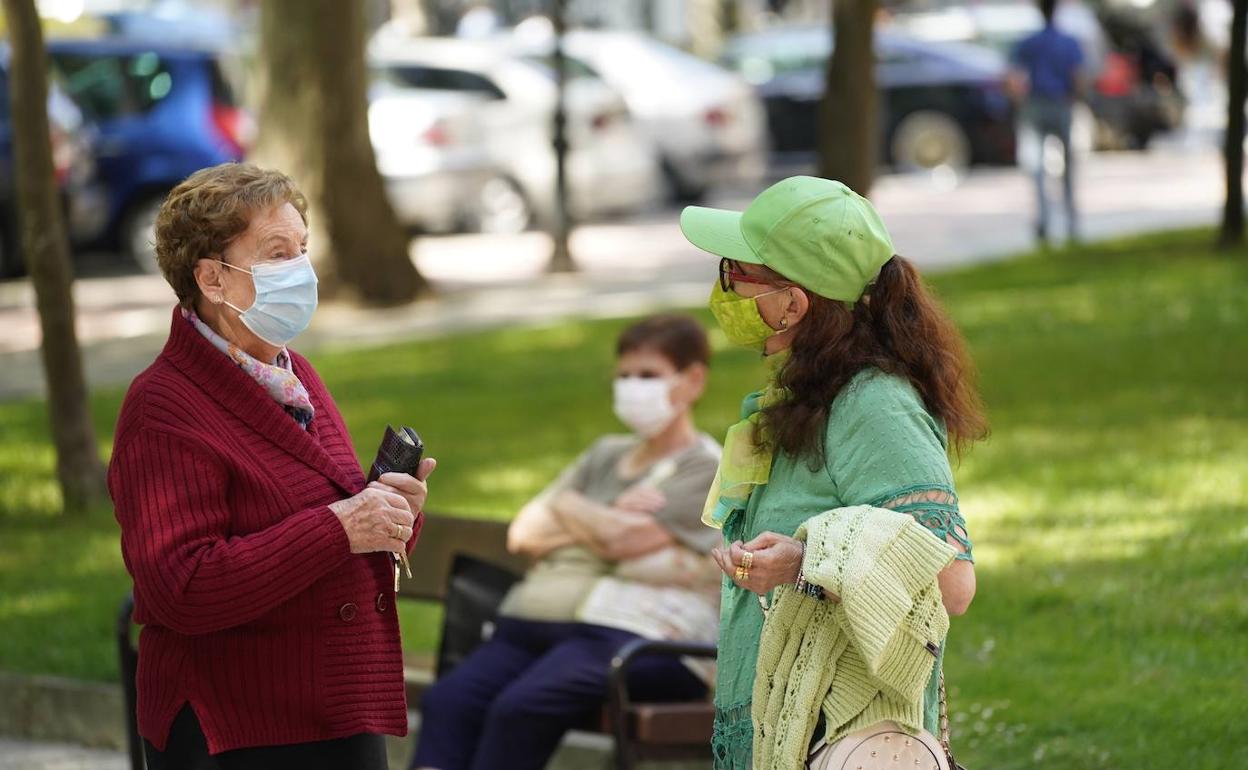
[(138, 234), (928, 140), (502, 208)]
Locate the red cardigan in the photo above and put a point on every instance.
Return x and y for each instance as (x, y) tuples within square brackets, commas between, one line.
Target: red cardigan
[(253, 608)]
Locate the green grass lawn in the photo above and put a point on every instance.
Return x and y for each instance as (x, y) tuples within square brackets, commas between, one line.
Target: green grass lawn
[(1109, 508)]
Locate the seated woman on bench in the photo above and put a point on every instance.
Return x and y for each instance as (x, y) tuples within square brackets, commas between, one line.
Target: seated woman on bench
[(619, 553)]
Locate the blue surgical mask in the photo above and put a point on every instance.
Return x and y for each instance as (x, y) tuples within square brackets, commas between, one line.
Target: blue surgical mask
[(285, 299)]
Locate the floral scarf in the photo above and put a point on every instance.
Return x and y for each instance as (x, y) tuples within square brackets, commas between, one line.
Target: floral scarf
[(278, 378)]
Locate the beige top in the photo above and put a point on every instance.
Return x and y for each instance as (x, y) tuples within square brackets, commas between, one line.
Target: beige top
[(659, 585)]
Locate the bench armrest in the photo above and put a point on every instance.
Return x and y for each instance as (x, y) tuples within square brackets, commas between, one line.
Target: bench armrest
[(618, 700)]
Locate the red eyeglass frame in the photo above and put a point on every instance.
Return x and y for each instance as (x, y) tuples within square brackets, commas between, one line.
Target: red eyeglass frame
[(727, 276)]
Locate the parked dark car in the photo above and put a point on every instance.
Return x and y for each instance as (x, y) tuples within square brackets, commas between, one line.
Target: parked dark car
[(941, 105), (1135, 95), (72, 139), (162, 112)]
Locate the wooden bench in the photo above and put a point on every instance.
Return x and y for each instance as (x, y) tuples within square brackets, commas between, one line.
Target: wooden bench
[(641, 731)]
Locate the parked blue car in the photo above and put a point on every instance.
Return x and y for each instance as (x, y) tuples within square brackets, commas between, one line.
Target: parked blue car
[(161, 113)]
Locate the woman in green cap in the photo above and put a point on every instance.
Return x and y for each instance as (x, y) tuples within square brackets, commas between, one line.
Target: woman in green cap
[(870, 384)]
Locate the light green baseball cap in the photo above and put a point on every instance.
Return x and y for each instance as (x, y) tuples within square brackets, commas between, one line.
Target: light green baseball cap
[(816, 232)]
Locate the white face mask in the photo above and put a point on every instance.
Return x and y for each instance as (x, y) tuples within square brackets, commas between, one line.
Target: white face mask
[(644, 404), (286, 298)]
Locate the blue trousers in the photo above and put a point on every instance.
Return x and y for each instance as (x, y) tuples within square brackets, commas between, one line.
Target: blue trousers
[(509, 703), (1052, 117)]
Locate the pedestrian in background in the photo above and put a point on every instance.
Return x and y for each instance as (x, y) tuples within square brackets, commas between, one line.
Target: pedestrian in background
[(1047, 73)]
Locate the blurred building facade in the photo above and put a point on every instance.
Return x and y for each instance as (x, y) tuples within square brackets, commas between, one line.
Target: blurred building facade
[(698, 25)]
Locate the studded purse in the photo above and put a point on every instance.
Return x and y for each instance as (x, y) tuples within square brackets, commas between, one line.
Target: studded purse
[(886, 746)]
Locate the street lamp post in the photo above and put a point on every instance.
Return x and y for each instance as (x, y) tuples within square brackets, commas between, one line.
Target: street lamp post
[(561, 256)]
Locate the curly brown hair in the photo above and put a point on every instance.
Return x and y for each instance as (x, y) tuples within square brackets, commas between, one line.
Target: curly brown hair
[(897, 327), (208, 210)]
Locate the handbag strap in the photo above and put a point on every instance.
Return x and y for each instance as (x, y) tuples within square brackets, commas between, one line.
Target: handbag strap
[(944, 724)]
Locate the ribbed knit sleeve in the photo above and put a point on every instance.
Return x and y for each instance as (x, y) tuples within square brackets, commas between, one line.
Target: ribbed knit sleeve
[(189, 572), (883, 566)]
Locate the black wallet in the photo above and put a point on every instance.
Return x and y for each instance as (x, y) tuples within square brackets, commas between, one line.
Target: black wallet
[(400, 452)]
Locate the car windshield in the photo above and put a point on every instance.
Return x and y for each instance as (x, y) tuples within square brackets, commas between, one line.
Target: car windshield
[(426, 78), (112, 85), (576, 69), (761, 57)]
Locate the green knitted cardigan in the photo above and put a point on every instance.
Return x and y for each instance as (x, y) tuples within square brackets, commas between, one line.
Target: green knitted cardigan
[(882, 448), (863, 659)]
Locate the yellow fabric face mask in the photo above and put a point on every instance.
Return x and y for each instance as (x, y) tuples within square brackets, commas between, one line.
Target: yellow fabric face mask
[(740, 318)]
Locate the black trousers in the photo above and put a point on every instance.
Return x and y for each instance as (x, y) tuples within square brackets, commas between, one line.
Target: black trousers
[(187, 749)]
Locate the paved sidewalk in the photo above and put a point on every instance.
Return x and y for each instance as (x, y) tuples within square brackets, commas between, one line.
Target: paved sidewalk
[(29, 755), (579, 751), (627, 267)]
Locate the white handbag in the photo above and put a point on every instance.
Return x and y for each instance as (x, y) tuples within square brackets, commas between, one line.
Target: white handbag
[(886, 746)]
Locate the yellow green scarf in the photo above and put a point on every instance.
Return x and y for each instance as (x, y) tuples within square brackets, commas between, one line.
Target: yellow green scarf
[(748, 452)]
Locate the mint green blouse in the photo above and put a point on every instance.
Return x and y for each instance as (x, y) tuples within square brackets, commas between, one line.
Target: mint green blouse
[(882, 448)]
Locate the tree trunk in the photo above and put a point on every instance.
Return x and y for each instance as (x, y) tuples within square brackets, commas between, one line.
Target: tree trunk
[(314, 126), (46, 246), (1232, 233), (847, 115)]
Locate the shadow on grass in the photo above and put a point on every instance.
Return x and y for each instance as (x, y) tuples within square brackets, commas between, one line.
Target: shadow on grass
[(1107, 509), (1128, 661)]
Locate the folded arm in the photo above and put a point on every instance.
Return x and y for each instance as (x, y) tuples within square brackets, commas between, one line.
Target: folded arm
[(615, 534), (536, 531)]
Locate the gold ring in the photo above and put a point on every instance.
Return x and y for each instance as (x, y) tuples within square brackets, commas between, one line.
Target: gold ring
[(743, 574), (398, 531), (747, 559)]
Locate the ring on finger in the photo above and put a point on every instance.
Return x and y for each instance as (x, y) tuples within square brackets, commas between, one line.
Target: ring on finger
[(398, 531), (747, 560)]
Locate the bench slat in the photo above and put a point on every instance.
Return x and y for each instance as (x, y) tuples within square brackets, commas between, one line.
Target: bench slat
[(444, 536)]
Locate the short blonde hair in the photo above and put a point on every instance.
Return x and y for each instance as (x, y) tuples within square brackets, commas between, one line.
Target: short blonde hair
[(208, 210)]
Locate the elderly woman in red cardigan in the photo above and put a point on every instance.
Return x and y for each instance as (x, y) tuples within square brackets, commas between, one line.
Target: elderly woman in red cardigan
[(263, 565)]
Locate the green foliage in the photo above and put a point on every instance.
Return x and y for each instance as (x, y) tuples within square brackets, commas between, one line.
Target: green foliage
[(1108, 508)]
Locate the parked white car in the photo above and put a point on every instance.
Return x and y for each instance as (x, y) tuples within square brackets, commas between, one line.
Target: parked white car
[(612, 166), (708, 123), (436, 163)]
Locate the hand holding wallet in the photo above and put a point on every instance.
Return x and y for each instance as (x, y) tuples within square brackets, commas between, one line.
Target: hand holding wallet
[(400, 452)]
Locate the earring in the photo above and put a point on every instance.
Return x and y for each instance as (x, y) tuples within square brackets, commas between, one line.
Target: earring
[(784, 322)]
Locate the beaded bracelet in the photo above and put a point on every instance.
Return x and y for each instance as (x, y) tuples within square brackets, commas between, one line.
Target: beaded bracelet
[(810, 589)]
